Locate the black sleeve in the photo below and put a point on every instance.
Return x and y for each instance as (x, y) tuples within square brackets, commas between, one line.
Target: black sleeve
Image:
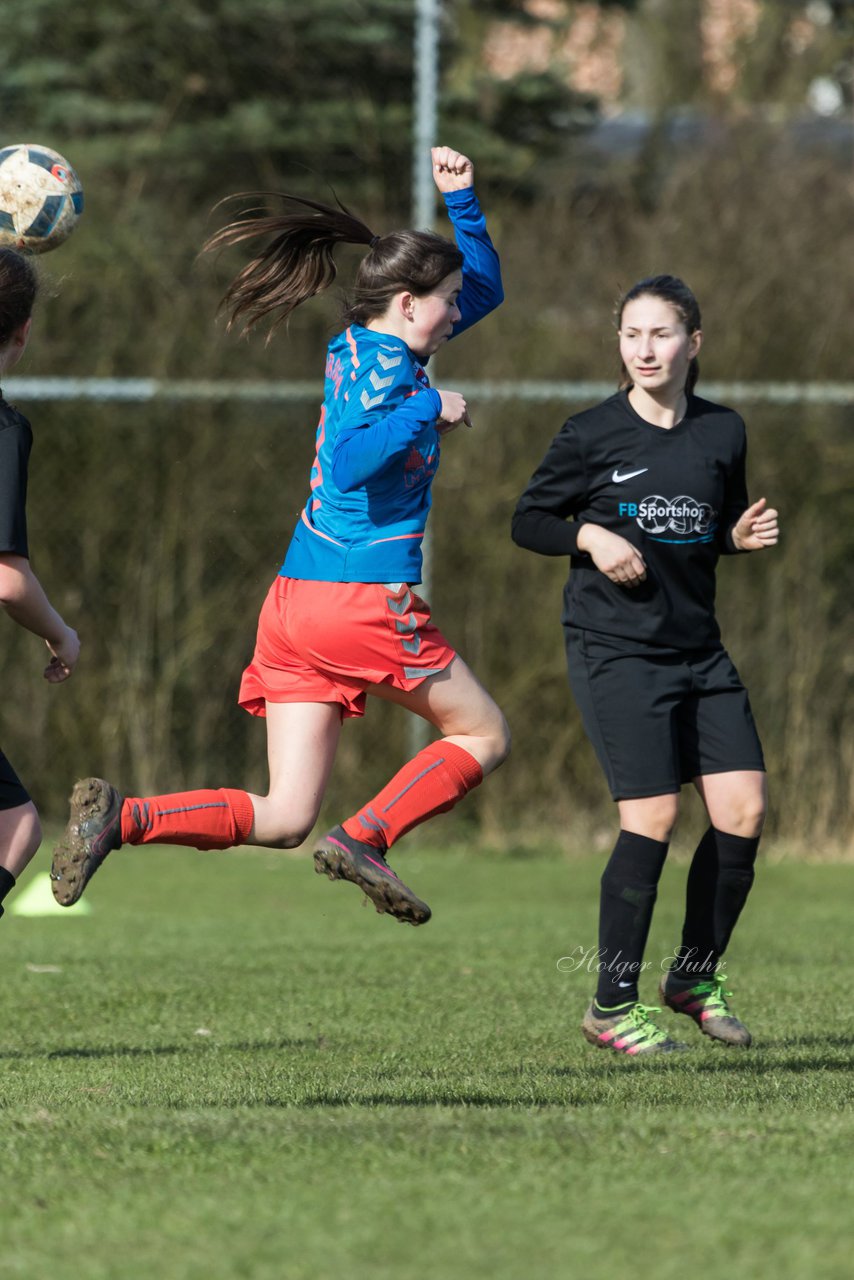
[(557, 490), (736, 500), (14, 458)]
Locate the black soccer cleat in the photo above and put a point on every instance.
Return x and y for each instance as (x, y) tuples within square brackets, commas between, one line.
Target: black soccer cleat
[(94, 828), (341, 857)]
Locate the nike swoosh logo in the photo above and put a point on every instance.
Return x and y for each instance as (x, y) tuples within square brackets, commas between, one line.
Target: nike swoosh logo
[(629, 475)]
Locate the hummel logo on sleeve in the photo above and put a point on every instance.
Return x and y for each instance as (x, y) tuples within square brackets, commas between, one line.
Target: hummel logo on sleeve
[(629, 475), (378, 383), (388, 362)]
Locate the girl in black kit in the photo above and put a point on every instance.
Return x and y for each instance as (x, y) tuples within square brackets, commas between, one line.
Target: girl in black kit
[(21, 594), (653, 480)]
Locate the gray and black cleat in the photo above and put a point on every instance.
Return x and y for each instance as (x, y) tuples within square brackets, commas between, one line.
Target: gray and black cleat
[(341, 857), (93, 830)]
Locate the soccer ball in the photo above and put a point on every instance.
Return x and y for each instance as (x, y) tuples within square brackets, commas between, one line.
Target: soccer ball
[(41, 198)]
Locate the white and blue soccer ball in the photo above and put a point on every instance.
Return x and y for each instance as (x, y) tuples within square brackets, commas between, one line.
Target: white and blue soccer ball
[(41, 198)]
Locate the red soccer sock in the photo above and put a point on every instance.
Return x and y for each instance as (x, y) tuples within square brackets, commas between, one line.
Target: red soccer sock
[(431, 783), (201, 819)]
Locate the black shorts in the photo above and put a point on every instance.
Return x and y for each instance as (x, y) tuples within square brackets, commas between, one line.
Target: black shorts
[(12, 792), (657, 718)]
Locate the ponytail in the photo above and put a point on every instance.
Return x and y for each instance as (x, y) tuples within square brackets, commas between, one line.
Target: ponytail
[(294, 266), (298, 262)]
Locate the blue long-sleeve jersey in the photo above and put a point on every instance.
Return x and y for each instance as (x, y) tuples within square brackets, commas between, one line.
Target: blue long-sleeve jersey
[(377, 443)]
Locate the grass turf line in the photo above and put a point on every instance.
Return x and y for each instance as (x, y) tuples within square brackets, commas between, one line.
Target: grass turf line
[(236, 1071)]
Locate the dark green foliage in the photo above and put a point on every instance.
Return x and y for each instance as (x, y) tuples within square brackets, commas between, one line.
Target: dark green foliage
[(188, 93)]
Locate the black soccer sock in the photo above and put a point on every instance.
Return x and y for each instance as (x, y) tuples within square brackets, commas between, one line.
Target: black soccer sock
[(719, 881), (7, 883), (629, 889), (736, 871), (697, 957)]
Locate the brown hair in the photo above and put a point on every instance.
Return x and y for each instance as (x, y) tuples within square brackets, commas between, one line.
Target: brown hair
[(19, 286), (298, 262), (674, 291)]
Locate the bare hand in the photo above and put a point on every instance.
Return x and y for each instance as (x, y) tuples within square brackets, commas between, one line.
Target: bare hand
[(757, 529), (451, 170), (63, 657), (612, 555), (454, 412)]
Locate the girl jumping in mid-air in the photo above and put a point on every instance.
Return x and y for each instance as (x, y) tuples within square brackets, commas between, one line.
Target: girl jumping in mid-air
[(341, 620), (21, 593), (654, 482)]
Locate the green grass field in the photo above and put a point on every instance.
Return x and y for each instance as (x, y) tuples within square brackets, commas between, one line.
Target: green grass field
[(229, 1069)]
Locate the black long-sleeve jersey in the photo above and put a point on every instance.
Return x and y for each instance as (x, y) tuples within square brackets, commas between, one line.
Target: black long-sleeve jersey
[(675, 493), (16, 440)]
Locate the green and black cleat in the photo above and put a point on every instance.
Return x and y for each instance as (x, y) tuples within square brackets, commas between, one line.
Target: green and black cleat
[(629, 1031), (705, 1002)]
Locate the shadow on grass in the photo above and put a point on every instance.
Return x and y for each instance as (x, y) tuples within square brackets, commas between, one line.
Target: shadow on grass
[(807, 1042), (449, 1099), (158, 1051), (755, 1062)]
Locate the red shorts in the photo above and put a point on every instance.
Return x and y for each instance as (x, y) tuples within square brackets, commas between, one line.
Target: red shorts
[(327, 641)]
